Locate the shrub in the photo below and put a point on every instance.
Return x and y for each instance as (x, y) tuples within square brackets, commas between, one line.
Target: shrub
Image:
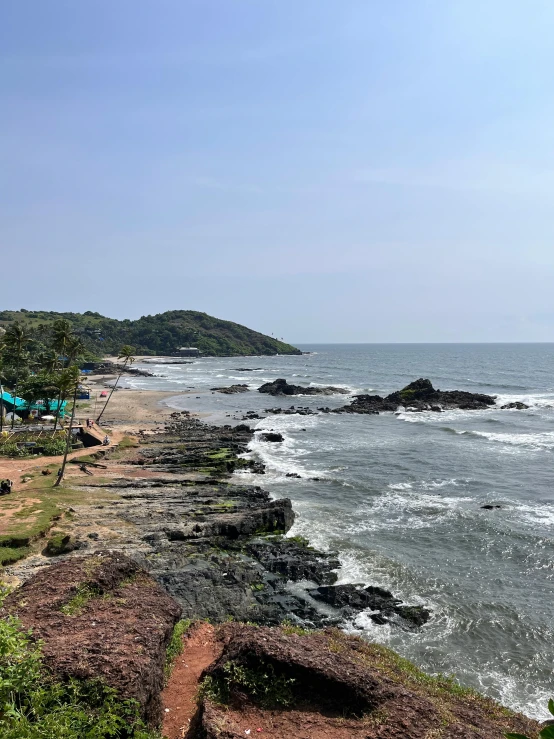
[(54, 447), (34, 706)]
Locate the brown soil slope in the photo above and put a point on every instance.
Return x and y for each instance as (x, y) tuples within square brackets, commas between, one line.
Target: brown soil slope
[(275, 683), (101, 617)]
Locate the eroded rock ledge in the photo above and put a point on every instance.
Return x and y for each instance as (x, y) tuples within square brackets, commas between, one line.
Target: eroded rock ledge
[(328, 684)]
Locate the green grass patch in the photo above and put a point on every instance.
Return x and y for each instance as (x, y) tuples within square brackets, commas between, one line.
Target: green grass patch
[(10, 555), (40, 506), (84, 594), (263, 683), (34, 706), (128, 442), (175, 646), (221, 453)]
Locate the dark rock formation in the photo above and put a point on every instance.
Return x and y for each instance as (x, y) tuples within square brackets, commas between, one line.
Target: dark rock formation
[(299, 410), (282, 387), (328, 684), (350, 599), (101, 617), (419, 395), (295, 560), (272, 436), (489, 507), (231, 390), (216, 547), (517, 405)]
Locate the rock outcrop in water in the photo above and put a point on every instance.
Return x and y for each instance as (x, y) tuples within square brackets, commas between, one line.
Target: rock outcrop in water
[(231, 390), (419, 395), (282, 387)]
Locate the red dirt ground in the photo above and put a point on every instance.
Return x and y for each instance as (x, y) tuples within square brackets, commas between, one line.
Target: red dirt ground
[(200, 649)]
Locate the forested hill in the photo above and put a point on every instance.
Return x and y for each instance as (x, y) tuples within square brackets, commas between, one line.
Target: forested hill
[(161, 334)]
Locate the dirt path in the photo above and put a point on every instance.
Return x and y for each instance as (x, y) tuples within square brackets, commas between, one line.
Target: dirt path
[(12, 468), (179, 696)]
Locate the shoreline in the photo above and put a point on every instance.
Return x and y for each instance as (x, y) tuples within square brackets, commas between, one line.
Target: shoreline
[(167, 498), (130, 412)]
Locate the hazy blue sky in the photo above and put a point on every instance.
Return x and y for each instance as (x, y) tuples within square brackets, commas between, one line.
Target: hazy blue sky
[(326, 170)]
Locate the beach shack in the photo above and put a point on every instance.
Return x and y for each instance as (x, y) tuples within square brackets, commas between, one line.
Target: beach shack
[(19, 406), (188, 351)]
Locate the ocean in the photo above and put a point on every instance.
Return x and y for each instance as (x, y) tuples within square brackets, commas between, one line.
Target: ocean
[(400, 496)]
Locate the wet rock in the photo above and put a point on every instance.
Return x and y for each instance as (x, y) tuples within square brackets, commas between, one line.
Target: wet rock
[(516, 405), (489, 507), (351, 599), (272, 436), (418, 396), (282, 387), (231, 390), (295, 560)]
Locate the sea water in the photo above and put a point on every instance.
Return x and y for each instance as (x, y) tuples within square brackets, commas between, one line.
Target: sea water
[(400, 496)]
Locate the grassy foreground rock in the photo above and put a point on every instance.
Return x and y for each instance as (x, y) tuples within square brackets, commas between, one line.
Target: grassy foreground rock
[(100, 618), (322, 684)]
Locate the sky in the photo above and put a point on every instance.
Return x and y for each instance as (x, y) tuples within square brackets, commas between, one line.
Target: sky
[(320, 170)]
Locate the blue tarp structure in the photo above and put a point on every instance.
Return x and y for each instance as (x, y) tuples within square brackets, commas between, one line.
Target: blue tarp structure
[(21, 405)]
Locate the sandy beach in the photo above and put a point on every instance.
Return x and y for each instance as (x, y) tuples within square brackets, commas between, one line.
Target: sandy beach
[(130, 409)]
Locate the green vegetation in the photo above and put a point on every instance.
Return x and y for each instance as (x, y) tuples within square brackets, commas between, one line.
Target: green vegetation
[(74, 606), (160, 334), (28, 514), (34, 706), (267, 687), (10, 555), (546, 733), (175, 646), (288, 628), (41, 372)]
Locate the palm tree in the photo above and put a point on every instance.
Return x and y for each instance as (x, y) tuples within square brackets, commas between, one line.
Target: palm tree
[(47, 361), (15, 342), (67, 348), (62, 335), (73, 376), (64, 384), (126, 354)]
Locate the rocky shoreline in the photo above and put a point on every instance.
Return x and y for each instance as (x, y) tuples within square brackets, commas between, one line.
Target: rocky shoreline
[(217, 546), (170, 532)]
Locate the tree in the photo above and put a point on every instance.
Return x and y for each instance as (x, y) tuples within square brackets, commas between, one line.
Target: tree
[(68, 348), (64, 382), (62, 335), (47, 361), (73, 377), (126, 353), (42, 386), (15, 344)]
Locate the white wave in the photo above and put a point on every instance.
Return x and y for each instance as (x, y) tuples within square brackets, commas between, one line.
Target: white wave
[(401, 486), (436, 484), (507, 689), (542, 515), (418, 510), (537, 400), (543, 441)]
